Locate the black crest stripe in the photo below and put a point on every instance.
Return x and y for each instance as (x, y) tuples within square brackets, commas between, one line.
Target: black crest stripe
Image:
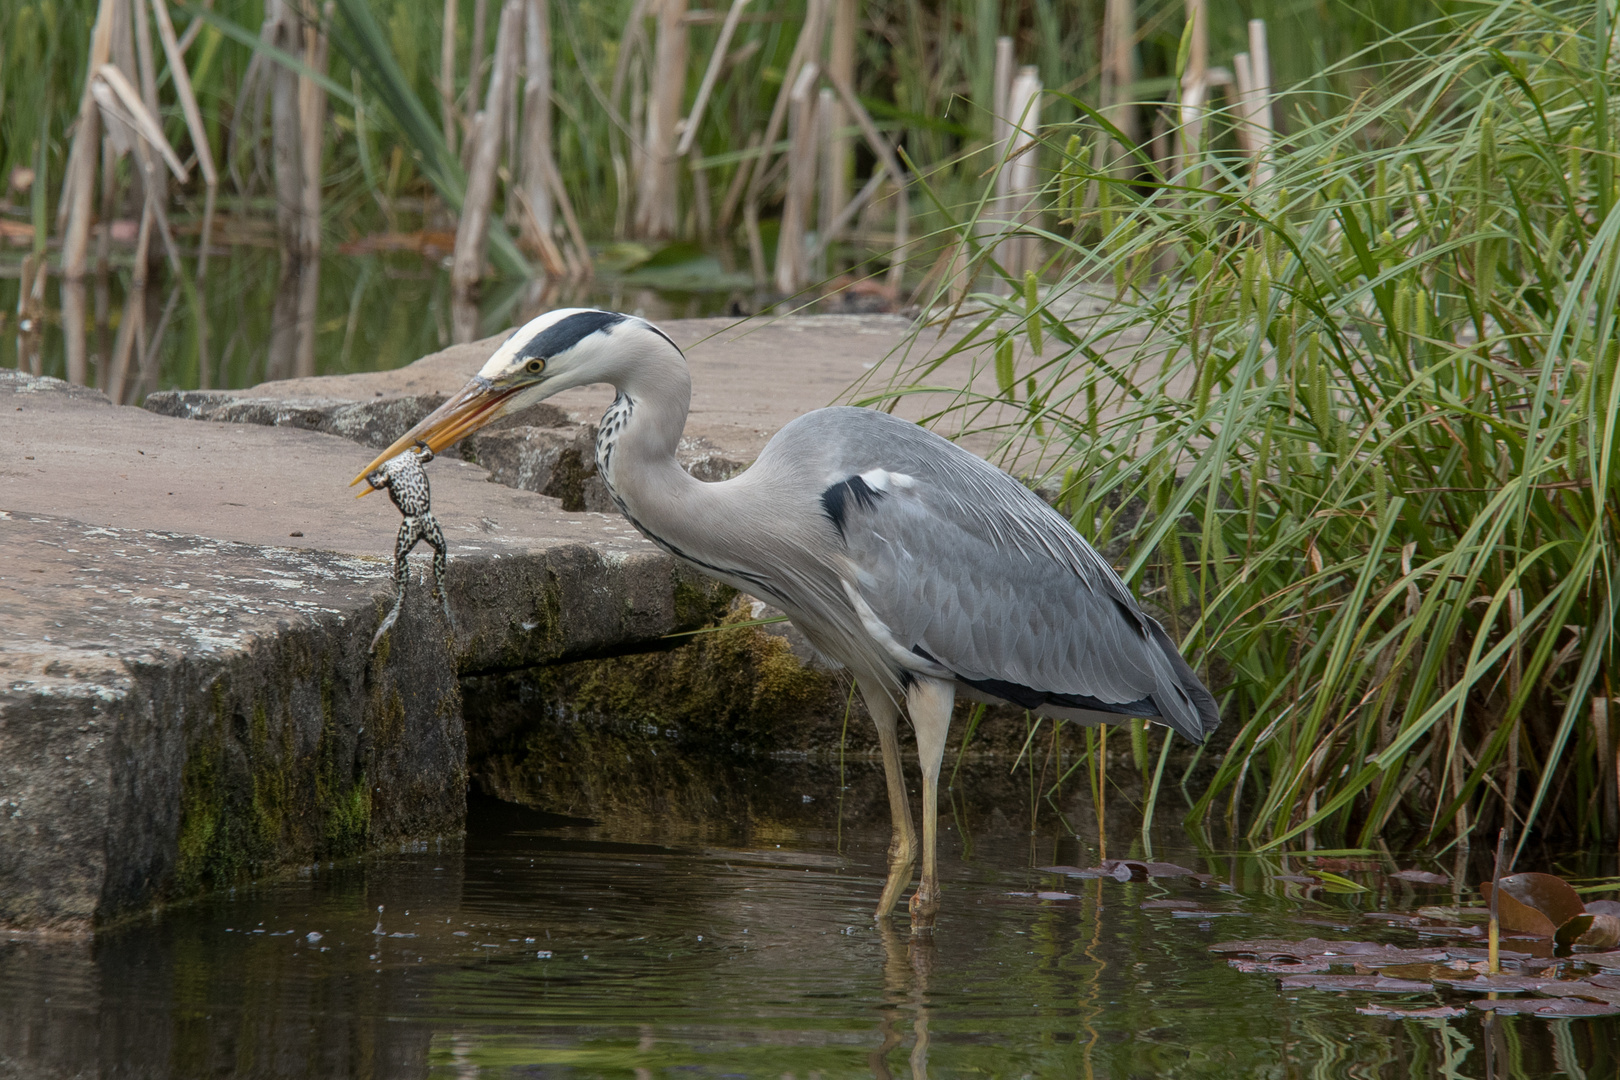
[(564, 334)]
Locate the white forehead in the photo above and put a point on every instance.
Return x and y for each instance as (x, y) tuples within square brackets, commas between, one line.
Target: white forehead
[(551, 334)]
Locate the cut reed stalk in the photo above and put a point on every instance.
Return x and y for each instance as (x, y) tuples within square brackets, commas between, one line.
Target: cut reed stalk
[(194, 126), (1119, 67), (840, 65), (791, 270), (79, 186), (535, 155), (472, 233), (658, 182), (448, 113)]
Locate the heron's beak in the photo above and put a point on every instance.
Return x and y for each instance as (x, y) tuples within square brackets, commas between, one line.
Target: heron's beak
[(475, 405)]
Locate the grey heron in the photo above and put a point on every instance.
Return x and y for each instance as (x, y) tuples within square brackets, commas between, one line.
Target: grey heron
[(923, 569)]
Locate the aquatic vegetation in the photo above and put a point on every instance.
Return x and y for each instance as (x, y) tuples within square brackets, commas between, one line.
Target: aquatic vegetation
[(1354, 413)]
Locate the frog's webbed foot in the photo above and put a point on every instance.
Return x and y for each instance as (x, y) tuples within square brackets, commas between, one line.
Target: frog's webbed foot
[(441, 554)]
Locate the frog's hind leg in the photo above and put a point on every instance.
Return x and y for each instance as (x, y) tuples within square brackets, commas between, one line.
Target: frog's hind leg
[(441, 552), (410, 531)]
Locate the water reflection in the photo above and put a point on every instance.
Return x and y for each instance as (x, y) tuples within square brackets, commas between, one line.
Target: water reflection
[(251, 317), (560, 947)]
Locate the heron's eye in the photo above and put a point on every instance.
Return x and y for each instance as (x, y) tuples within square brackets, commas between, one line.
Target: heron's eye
[(535, 366)]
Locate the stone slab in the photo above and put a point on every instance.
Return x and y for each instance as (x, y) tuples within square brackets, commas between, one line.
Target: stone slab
[(187, 692)]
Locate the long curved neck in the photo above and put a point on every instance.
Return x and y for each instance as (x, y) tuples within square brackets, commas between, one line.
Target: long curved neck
[(635, 445)]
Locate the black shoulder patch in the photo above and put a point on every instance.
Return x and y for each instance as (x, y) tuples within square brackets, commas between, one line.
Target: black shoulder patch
[(564, 334), (836, 499)]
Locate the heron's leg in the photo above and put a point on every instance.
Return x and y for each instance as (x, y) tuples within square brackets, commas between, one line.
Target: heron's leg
[(929, 702), (435, 536), (903, 839)]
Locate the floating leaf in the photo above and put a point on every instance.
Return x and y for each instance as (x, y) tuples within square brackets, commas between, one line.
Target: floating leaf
[(1436, 1012), (1597, 931), (1590, 990), (1269, 948), (1471, 983), (1603, 907), (1123, 870), (1560, 1006), (1279, 967), (1421, 877), (1054, 896), (1606, 960), (1166, 903), (1376, 983)]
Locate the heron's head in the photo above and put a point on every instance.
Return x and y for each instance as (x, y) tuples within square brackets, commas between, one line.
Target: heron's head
[(556, 351)]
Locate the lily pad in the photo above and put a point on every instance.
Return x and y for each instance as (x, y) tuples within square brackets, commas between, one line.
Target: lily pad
[(1123, 870), (1270, 948), (1169, 903), (1589, 990), (1559, 1006), (1376, 983), (1606, 960), (1470, 983), (1597, 930), (1435, 1012), (1603, 907), (1279, 967), (1421, 877)]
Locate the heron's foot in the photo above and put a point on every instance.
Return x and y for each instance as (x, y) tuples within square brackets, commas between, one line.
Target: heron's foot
[(924, 906)]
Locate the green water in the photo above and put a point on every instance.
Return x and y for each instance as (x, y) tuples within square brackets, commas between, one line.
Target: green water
[(372, 312), (647, 946)]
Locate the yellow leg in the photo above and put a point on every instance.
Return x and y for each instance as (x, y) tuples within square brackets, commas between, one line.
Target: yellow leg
[(929, 702), (903, 838)]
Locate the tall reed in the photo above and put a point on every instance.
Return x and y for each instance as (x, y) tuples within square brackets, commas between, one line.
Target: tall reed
[(1368, 412)]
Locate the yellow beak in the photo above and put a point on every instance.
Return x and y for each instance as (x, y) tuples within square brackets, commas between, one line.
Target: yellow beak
[(475, 405)]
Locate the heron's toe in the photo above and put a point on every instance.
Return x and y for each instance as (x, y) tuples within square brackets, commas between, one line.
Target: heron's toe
[(924, 906)]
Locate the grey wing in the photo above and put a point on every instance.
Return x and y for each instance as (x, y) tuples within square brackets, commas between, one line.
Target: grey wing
[(973, 572)]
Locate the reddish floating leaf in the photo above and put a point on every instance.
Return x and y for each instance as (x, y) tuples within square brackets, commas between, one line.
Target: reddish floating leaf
[(1603, 907), (1436, 1012), (1516, 917), (1421, 877), (1608, 982), (1550, 895), (1054, 896)]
